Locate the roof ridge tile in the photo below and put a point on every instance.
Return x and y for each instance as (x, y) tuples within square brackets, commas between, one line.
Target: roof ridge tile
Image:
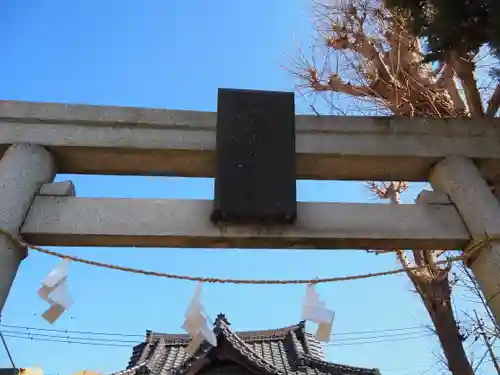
[(244, 349)]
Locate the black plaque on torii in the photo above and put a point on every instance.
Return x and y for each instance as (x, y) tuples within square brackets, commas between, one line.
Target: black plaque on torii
[(255, 179)]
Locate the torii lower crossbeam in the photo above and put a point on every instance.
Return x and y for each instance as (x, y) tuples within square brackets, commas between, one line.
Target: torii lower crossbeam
[(70, 221)]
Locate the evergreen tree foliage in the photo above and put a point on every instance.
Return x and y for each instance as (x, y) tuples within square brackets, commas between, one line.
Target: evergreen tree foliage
[(462, 26)]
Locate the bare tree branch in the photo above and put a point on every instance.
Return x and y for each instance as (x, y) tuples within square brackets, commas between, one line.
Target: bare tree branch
[(447, 82), (465, 71), (336, 84)]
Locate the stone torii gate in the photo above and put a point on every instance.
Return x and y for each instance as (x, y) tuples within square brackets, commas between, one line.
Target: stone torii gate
[(460, 158)]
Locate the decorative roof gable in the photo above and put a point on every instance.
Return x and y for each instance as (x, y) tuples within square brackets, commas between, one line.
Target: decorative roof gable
[(285, 351), (230, 348)]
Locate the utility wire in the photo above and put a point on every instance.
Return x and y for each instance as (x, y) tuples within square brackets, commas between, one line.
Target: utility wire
[(381, 330), (28, 330), (404, 334), (122, 342), (118, 340), (379, 341), (69, 331), (120, 334), (119, 344), (67, 341), (41, 335)]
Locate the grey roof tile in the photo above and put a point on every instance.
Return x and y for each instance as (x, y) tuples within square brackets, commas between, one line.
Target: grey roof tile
[(284, 351)]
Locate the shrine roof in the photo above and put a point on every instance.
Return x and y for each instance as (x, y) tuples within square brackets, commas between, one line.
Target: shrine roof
[(283, 351)]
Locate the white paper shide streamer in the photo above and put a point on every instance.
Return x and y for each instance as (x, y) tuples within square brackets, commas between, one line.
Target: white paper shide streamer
[(54, 290), (314, 310), (196, 324)]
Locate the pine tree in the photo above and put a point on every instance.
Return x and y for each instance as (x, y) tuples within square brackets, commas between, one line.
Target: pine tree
[(462, 26)]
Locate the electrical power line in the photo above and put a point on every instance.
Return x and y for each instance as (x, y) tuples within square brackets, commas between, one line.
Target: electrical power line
[(120, 334), (28, 328), (120, 345), (90, 338), (68, 341), (382, 330), (394, 337), (124, 340), (361, 342)]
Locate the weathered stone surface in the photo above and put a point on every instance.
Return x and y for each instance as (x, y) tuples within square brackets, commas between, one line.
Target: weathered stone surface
[(66, 221), (480, 210), (122, 140), (60, 188), (23, 169)]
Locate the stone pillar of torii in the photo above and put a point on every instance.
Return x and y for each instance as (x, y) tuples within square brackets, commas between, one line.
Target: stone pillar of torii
[(23, 170), (480, 209)]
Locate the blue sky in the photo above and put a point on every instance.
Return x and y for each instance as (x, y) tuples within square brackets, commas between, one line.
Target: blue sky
[(175, 54)]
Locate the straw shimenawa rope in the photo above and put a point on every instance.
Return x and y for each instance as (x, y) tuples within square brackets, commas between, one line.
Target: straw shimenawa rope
[(472, 249)]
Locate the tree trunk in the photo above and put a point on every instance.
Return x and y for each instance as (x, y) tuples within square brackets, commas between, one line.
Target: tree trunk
[(436, 295)]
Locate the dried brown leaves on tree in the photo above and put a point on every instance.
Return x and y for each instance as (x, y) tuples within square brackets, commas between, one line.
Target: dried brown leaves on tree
[(367, 53)]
